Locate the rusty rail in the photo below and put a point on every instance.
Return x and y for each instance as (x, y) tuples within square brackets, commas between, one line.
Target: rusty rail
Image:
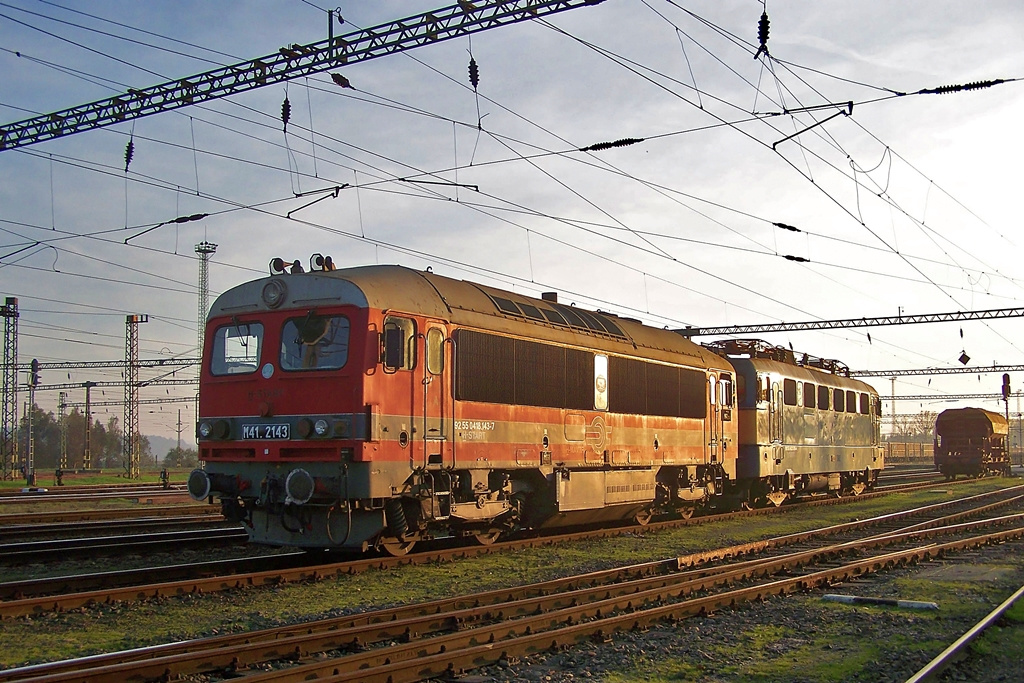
[(932, 670), (556, 604)]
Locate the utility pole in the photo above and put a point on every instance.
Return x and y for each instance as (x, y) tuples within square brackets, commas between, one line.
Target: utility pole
[(130, 427), (87, 453), (893, 403), (30, 464), (9, 404), (62, 406)]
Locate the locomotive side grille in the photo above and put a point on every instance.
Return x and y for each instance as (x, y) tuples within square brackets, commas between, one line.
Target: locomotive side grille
[(579, 379), (540, 374), (486, 367), (627, 385), (648, 388), (495, 369)]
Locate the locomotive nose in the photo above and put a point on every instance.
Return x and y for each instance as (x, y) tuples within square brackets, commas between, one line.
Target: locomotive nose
[(198, 485)]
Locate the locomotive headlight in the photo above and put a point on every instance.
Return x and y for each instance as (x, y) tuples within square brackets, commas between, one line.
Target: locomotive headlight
[(205, 429), (321, 427), (221, 429)]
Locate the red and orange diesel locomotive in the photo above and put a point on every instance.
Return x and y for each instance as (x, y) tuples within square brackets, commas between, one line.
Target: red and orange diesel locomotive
[(378, 406)]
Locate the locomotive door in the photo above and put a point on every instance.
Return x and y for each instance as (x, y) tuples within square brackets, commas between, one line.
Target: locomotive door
[(714, 419), (775, 414), (435, 410)]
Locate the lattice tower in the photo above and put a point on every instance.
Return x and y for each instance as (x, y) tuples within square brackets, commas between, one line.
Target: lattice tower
[(130, 434), (9, 403), (62, 423), (204, 249)]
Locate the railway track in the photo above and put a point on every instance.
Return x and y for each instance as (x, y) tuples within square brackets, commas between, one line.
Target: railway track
[(70, 530), (949, 657), (11, 497), (447, 637), (110, 514), (150, 541), (28, 597)]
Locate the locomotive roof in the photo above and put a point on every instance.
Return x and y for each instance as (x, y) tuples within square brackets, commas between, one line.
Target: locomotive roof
[(404, 290), (803, 373)]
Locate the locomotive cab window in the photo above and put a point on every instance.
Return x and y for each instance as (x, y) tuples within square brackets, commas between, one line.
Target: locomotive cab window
[(839, 400), (823, 393), (236, 349), (864, 398), (725, 390), (314, 342), (789, 392), (399, 339), (809, 395), (851, 401)]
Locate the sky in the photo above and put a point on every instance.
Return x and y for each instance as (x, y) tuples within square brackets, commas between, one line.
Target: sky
[(904, 202)]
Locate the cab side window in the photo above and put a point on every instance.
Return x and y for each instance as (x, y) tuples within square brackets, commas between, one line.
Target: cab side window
[(435, 351), (399, 343)]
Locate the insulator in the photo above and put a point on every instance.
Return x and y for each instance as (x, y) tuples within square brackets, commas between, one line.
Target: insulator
[(129, 153), (624, 142), (946, 89), (286, 111), (787, 227), (341, 80), (762, 30), (474, 73), (798, 259)]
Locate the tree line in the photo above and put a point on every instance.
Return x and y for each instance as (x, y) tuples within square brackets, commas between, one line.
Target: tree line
[(106, 443)]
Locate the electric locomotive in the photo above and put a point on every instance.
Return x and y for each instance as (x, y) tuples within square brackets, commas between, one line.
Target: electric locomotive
[(375, 407), (972, 442), (378, 406), (806, 427)]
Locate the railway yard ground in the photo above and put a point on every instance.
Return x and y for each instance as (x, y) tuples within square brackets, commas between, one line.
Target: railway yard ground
[(798, 636)]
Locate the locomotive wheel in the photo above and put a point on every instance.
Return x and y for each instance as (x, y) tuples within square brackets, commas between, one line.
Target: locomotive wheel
[(489, 537), (643, 518), (396, 547), (685, 513)]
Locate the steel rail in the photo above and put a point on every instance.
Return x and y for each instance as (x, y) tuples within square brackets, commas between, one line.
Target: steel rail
[(532, 608), (67, 530), (61, 516), (639, 585), (942, 661), (31, 551), (85, 489), (161, 586), (534, 635)]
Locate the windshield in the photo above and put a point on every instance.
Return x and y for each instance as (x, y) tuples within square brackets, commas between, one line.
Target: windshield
[(314, 342), (236, 349)]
